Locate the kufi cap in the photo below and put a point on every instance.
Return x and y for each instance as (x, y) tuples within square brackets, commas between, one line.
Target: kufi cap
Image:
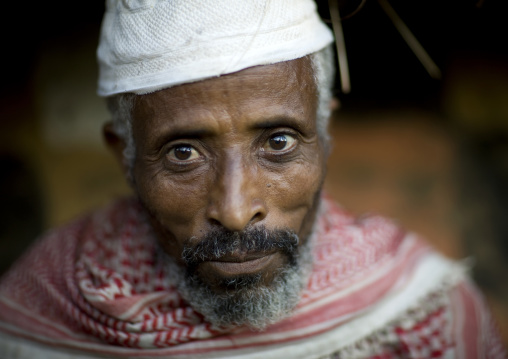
[(148, 45)]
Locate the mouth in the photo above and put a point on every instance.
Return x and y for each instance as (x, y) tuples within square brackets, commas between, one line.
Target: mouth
[(235, 265)]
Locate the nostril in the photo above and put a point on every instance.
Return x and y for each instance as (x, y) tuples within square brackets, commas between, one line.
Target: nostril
[(215, 222), (235, 213), (257, 217)]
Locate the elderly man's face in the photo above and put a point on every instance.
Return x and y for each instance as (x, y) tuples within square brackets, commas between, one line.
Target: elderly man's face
[(231, 155)]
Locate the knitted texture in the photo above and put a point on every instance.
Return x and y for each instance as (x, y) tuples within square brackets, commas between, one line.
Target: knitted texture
[(146, 45)]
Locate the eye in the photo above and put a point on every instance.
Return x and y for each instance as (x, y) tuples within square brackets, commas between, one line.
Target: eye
[(183, 153), (280, 142)]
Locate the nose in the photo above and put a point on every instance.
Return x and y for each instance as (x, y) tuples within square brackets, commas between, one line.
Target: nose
[(234, 198)]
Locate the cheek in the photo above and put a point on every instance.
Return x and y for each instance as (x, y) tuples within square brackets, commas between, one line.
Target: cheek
[(176, 203), (292, 193)]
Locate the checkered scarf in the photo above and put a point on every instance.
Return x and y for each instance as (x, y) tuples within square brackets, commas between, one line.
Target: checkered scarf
[(96, 287)]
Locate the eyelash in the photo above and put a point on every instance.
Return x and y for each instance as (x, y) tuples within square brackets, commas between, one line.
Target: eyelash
[(274, 155), (280, 155), (181, 165)]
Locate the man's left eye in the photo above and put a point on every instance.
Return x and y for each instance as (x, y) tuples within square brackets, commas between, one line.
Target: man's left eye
[(183, 153), (280, 142)]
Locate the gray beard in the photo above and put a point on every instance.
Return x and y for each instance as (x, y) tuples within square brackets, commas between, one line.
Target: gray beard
[(248, 303)]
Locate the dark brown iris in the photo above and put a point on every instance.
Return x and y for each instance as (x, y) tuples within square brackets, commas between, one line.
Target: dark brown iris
[(278, 142), (183, 152)]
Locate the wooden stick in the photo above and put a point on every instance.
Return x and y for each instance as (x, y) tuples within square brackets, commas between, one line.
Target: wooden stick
[(411, 40), (341, 46)]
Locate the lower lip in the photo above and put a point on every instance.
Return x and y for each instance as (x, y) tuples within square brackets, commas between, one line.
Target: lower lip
[(238, 268)]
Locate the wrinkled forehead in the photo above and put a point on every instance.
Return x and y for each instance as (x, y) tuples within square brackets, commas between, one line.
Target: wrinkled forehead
[(283, 89)]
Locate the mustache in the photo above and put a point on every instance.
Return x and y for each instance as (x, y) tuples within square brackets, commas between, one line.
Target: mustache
[(221, 242)]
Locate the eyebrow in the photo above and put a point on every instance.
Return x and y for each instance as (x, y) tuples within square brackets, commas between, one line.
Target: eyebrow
[(179, 133), (279, 121), (173, 134), (188, 133)]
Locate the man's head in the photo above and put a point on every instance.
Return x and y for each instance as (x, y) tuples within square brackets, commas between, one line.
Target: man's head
[(230, 170)]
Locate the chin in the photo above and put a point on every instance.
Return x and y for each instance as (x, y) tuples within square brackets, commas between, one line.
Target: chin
[(245, 300)]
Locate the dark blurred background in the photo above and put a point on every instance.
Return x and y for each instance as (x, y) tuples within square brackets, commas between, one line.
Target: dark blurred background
[(430, 153)]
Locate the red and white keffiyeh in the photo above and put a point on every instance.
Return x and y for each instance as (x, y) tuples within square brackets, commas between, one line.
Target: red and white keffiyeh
[(96, 289)]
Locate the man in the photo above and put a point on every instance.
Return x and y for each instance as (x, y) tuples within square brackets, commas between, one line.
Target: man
[(229, 249)]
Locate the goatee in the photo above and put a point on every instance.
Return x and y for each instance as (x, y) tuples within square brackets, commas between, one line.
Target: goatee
[(243, 300)]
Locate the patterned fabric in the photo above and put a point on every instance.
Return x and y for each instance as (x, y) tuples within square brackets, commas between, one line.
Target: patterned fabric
[(148, 45), (97, 288)]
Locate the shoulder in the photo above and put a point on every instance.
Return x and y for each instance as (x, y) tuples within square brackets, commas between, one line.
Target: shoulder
[(17, 348), (58, 245), (431, 308), (38, 295)]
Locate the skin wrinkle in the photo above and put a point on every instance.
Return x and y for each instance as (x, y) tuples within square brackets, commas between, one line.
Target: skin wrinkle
[(121, 105), (228, 121)]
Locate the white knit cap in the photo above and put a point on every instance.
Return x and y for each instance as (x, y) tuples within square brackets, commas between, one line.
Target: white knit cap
[(148, 45)]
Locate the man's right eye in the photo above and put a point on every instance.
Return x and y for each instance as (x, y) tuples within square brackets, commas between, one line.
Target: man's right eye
[(280, 142), (181, 153)]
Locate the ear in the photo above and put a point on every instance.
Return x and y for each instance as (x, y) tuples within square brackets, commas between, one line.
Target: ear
[(115, 143)]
